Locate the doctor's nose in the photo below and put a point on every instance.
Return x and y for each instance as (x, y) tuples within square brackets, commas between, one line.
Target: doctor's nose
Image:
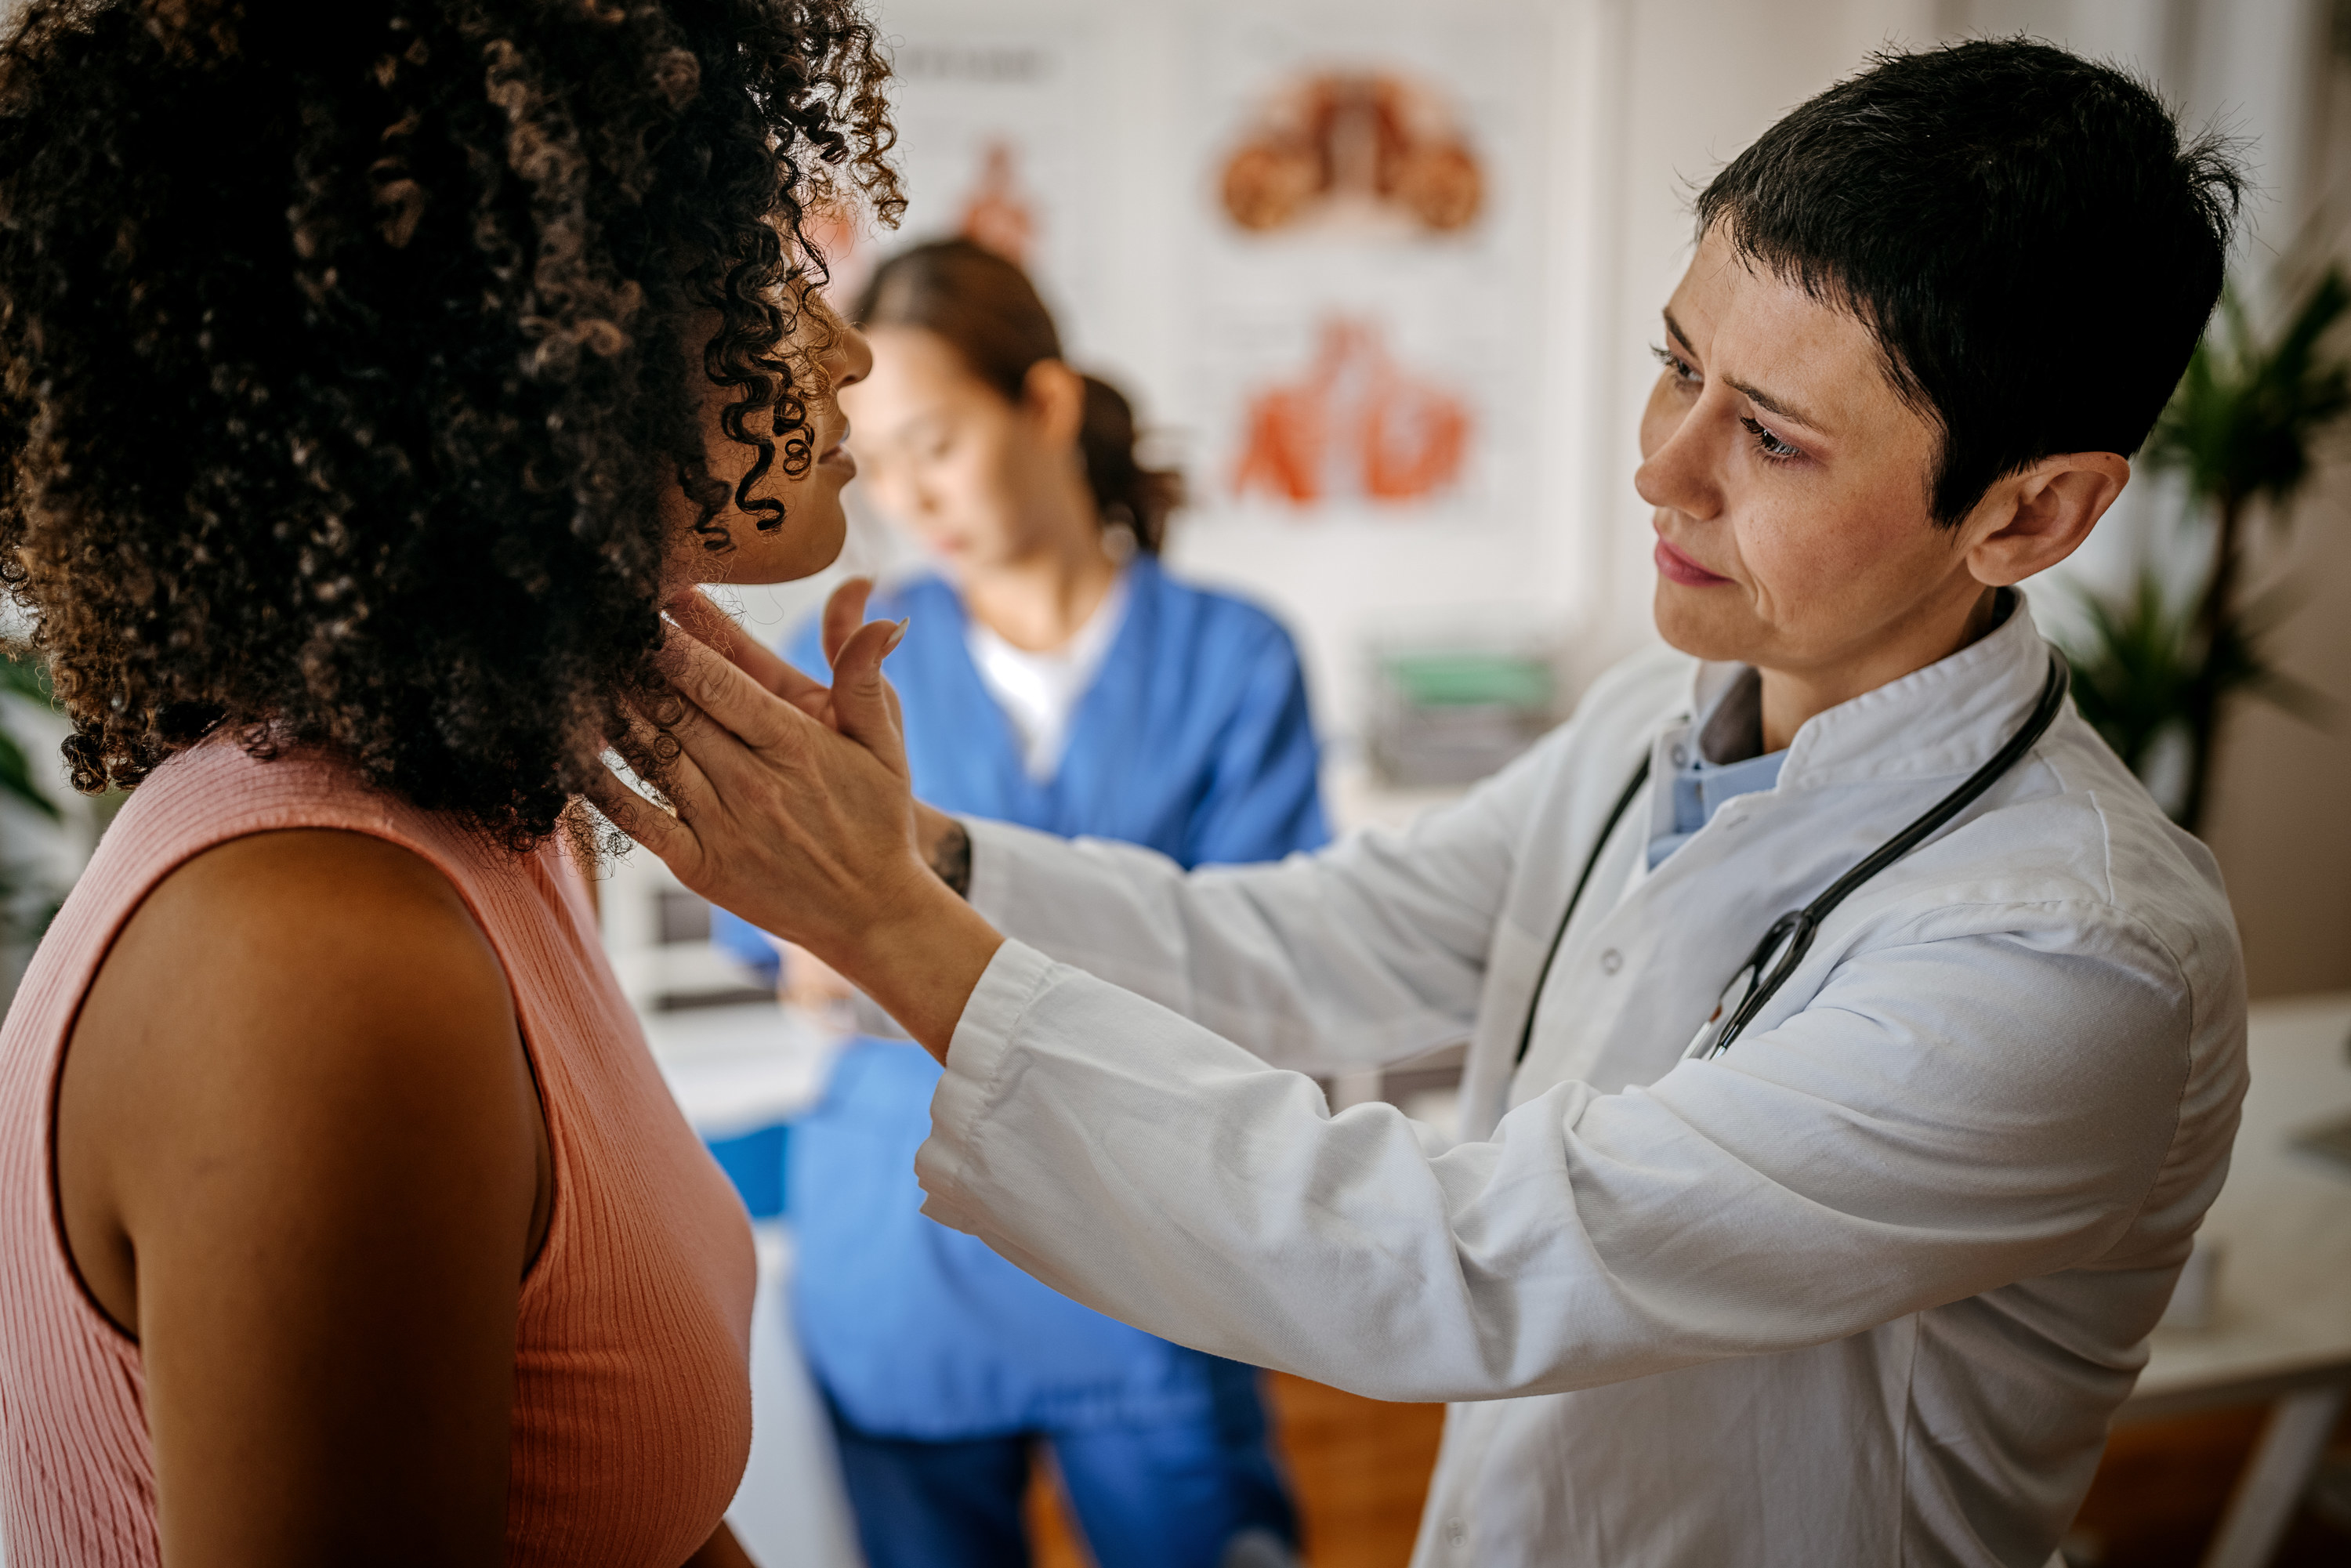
[(1679, 473)]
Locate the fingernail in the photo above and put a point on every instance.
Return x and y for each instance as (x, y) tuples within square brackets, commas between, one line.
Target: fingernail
[(896, 637)]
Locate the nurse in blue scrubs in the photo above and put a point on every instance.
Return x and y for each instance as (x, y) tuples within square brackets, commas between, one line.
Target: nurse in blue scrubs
[(1053, 674)]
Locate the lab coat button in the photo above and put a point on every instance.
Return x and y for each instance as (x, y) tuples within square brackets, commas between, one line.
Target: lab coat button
[(1611, 961), (1455, 1533)]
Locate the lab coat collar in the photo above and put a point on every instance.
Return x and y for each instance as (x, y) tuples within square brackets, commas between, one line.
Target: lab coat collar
[(1947, 718)]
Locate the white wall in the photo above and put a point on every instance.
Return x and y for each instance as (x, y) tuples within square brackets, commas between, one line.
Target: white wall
[(1647, 101)]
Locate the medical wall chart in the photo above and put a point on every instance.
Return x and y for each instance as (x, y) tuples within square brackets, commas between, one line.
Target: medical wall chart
[(1349, 197), (1365, 241)]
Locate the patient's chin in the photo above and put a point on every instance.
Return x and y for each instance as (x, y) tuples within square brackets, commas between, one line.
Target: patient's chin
[(807, 540)]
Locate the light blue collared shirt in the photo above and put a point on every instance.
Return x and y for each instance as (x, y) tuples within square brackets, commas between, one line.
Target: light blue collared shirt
[(1720, 765)]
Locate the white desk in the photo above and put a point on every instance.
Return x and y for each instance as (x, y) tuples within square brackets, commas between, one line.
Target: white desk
[(736, 1069), (2280, 1328)]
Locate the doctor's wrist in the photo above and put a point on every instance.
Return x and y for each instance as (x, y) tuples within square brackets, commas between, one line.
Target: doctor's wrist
[(947, 847), (920, 958)]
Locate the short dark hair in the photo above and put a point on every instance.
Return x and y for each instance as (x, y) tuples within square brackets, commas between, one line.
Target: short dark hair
[(1977, 206)]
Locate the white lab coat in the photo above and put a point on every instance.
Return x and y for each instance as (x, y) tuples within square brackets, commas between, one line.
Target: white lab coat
[(1862, 1291)]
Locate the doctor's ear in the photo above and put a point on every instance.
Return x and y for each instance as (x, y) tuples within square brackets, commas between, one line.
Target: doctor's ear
[(1054, 396), (2031, 520)]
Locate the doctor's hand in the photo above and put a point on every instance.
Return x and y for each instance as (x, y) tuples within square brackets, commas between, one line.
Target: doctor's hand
[(940, 835), (844, 615), (791, 807)]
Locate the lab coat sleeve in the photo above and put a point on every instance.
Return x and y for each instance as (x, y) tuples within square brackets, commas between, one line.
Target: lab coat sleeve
[(1962, 1106), (1365, 953)]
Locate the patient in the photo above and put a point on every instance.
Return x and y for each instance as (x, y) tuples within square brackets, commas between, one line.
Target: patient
[(369, 374)]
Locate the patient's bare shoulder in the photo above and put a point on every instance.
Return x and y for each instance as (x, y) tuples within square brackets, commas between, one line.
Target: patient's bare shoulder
[(301, 1159)]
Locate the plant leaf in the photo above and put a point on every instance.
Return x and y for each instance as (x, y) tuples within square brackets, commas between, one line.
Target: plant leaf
[(2244, 421), (17, 779)]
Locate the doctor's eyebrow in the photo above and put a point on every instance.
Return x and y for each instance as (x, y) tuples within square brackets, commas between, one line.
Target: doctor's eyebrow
[(1680, 338), (1753, 393), (1770, 404)]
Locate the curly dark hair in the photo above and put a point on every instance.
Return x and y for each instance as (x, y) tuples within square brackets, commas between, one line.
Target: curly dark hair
[(346, 350)]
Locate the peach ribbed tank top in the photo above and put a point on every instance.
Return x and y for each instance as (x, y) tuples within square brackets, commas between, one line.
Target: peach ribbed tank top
[(633, 1405)]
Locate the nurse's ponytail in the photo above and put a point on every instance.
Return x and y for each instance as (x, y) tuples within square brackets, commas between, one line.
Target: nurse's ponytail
[(1128, 495), (987, 307)]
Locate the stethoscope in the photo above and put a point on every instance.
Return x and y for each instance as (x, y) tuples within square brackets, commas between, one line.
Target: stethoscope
[(1791, 935)]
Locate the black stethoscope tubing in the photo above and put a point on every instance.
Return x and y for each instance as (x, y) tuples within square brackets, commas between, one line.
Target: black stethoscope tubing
[(1791, 935)]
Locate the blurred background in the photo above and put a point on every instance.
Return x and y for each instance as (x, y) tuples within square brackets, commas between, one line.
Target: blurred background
[(1381, 278)]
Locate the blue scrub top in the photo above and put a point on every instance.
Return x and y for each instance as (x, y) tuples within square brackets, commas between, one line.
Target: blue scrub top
[(1194, 741)]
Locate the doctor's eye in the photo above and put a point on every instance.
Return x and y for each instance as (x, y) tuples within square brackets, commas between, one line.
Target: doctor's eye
[(1681, 369), (1773, 449)]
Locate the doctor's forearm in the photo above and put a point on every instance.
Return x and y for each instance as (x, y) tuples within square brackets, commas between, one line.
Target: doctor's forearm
[(921, 961), (1321, 963), (1151, 1170)]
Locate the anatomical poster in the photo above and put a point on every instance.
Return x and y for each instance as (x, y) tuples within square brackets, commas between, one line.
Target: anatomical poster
[(1365, 237)]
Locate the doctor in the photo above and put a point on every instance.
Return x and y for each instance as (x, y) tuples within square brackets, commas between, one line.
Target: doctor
[(1864, 1287)]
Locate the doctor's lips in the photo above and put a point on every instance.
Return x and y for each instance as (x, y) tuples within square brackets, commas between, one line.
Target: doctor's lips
[(1680, 568)]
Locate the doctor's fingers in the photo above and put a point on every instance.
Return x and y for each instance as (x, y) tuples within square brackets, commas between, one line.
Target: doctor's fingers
[(748, 769), (844, 612), (655, 757), (863, 706), (708, 625), (728, 696), (711, 780), (647, 824), (655, 752)]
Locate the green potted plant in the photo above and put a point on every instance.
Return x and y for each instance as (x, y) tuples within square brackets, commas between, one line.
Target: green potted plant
[(22, 672), (2243, 430)]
